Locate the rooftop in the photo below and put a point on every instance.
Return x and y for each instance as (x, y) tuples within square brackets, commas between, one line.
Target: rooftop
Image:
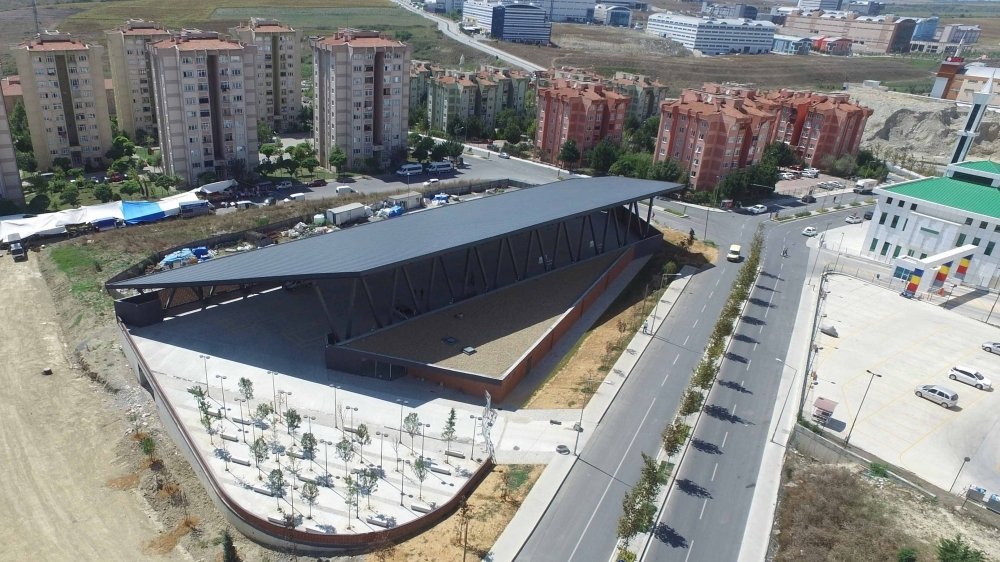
[(971, 197), (54, 41), (373, 247), (981, 166)]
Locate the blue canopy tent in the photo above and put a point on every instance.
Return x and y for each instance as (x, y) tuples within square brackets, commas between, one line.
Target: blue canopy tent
[(138, 212)]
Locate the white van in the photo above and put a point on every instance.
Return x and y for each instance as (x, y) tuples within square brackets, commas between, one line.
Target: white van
[(410, 169), (439, 167), (297, 197), (345, 190)]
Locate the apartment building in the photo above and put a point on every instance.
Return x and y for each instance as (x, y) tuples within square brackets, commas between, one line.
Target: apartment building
[(719, 128), (510, 21), (482, 95), (450, 98), (10, 178), (62, 81), (131, 78), (583, 112), (362, 99), (279, 71), (714, 36), (868, 34), (644, 93), (206, 100), (421, 73), (959, 81)]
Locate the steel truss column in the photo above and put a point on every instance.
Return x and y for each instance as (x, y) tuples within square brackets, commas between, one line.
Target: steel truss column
[(392, 300), (513, 262), (465, 272), (350, 308), (447, 279), (482, 268), (371, 302), (409, 285), (649, 218), (170, 298), (496, 273), (527, 253), (326, 311)]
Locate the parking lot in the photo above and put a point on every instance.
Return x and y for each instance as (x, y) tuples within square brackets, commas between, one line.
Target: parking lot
[(908, 343)]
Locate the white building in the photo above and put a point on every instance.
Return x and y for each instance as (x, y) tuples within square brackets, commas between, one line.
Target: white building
[(509, 21), (714, 36), (555, 10), (940, 230), (826, 5)]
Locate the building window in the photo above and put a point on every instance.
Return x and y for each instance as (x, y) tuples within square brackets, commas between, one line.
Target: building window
[(895, 253), (888, 201), (901, 203), (982, 224), (961, 240), (881, 219), (895, 220), (873, 245), (968, 221), (976, 241), (989, 248), (885, 248)]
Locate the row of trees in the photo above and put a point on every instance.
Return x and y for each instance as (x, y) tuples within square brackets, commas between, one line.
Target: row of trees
[(292, 159), (638, 507), (423, 148), (866, 164)]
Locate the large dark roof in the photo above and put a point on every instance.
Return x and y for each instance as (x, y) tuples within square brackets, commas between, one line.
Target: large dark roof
[(410, 237)]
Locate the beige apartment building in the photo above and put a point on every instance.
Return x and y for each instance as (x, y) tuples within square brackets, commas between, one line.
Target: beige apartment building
[(10, 179), (362, 81), (131, 71), (62, 81), (868, 34), (206, 100), (279, 71)]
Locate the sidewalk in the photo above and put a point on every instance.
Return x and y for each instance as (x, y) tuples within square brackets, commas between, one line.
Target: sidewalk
[(545, 489)]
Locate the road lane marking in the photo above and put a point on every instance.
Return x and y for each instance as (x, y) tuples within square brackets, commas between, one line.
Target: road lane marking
[(717, 282), (703, 307), (695, 325), (724, 437), (748, 363), (713, 471), (676, 358), (614, 476), (733, 413), (690, 548), (710, 295), (665, 379), (703, 505), (686, 341), (755, 346)]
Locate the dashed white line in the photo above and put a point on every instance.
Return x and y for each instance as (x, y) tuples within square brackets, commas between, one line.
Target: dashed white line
[(724, 437), (748, 363), (703, 307), (614, 477), (695, 325), (733, 413), (755, 346), (690, 548), (676, 358), (703, 505), (710, 295), (713, 472), (686, 340)]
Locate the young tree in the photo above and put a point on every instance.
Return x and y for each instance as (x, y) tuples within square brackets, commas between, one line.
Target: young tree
[(104, 193), (351, 498), (411, 425), (363, 438), (70, 195), (264, 131), (246, 388), (292, 419), (957, 550), (228, 548), (259, 451), (276, 484), (439, 152), (206, 422), (337, 159), (148, 447), (449, 431), (628, 526), (345, 450), (310, 493), (368, 483), (421, 468), (121, 147), (603, 155), (308, 443), (569, 153)]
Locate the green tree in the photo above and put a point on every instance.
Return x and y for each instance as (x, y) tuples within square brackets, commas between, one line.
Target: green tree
[(673, 437), (259, 451), (423, 148), (276, 484), (368, 483), (449, 430), (246, 388), (603, 155), (632, 165), (665, 170), (411, 425), (351, 490), (628, 523), (309, 443), (26, 161), (439, 152), (337, 159), (692, 402), (957, 550), (453, 149), (264, 131), (363, 438), (121, 147), (310, 163), (292, 419), (269, 150), (148, 446), (421, 468), (70, 195), (474, 127), (104, 193), (907, 555), (39, 203), (129, 188), (62, 163), (345, 450), (228, 548), (569, 153), (310, 492)]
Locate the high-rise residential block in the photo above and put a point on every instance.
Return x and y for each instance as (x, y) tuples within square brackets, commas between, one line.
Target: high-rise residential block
[(62, 80), (279, 71), (582, 112), (362, 81), (10, 179), (206, 101), (131, 77)]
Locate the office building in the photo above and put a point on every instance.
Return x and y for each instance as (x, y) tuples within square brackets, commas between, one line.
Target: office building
[(720, 128), (925, 29), (868, 34), (865, 7), (791, 45), (509, 21), (836, 46), (585, 113), (713, 36), (613, 16), (10, 178), (729, 11), (825, 5), (128, 56), (64, 94), (960, 81), (279, 71), (362, 98), (206, 101)]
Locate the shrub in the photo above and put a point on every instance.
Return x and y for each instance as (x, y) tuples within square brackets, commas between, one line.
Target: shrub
[(906, 555), (878, 470), (692, 402), (956, 550), (801, 214), (673, 436)]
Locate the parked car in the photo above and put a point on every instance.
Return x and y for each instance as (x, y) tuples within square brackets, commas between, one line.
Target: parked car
[(992, 346), (787, 176), (809, 231), (869, 215), (937, 394), (284, 185), (17, 252), (757, 209), (317, 183), (808, 199), (431, 181), (971, 377), (735, 253), (504, 155), (116, 177), (853, 219), (410, 169), (810, 173)]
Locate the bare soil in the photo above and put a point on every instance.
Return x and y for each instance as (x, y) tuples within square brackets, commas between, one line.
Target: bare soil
[(489, 515), (576, 380), (840, 512)]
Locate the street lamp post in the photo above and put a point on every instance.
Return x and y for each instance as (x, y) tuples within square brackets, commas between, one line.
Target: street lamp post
[(955, 481), (856, 414), (326, 458), (401, 403), (381, 445), (992, 308), (656, 308), (222, 384), (475, 420), (205, 359), (785, 403), (352, 409), (243, 430), (335, 410), (274, 391), (423, 437), (310, 418)]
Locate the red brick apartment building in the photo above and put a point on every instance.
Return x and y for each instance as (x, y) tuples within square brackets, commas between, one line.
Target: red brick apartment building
[(583, 112), (719, 128)]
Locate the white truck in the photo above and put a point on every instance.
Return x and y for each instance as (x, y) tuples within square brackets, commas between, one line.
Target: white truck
[(865, 186), (345, 214)]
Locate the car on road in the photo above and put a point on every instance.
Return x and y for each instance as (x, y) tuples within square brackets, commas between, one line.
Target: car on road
[(810, 173), (787, 176), (410, 169), (938, 394), (562, 450), (853, 219), (283, 185), (317, 183), (971, 377), (504, 155), (17, 252), (757, 209), (809, 231), (992, 346), (869, 215), (431, 181), (808, 199), (116, 177), (735, 253)]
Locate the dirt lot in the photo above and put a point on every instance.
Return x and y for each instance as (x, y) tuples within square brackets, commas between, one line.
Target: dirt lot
[(58, 442), (839, 512), (576, 378), (609, 49)]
